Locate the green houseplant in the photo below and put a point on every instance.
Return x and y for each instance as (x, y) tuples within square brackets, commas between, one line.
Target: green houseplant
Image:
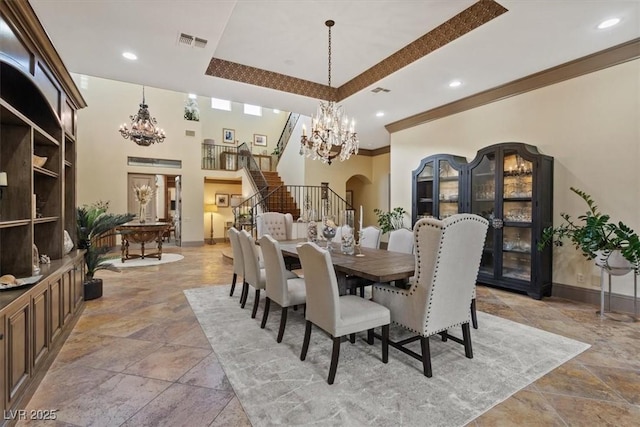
[(389, 221), (94, 222), (595, 235)]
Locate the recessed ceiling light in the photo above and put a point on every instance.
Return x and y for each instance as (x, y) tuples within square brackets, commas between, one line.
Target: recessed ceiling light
[(455, 83), (380, 114), (608, 23), (276, 111), (130, 56), (193, 96)]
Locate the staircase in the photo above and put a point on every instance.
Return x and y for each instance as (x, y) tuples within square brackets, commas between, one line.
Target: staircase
[(280, 199)]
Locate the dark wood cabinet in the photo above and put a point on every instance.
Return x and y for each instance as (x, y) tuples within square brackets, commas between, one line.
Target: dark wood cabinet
[(511, 185), (40, 335), (18, 358), (438, 186)]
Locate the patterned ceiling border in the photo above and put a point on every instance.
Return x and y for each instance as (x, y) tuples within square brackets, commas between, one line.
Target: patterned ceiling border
[(469, 19)]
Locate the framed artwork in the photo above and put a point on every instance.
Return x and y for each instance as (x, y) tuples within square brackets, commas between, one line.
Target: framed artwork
[(236, 199), (228, 136), (222, 200), (260, 140), (349, 197)]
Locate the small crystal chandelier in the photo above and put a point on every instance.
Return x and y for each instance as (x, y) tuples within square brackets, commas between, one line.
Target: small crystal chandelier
[(331, 133), (143, 127)]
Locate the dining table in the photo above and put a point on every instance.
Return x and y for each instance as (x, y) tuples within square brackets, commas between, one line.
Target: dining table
[(374, 265)]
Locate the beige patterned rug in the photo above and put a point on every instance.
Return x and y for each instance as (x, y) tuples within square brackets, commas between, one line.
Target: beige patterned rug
[(276, 388)]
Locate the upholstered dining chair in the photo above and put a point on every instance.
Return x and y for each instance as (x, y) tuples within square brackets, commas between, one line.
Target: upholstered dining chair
[(370, 237), (337, 315), (401, 240), (253, 275), (238, 260), (283, 291), (448, 254), (277, 225)]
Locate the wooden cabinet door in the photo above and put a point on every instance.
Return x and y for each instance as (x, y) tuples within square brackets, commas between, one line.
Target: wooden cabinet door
[(18, 350), (3, 365), (55, 303), (40, 316), (67, 295), (78, 284)]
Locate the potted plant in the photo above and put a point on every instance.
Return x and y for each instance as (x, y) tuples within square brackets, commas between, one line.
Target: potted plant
[(389, 221), (613, 245), (94, 222)]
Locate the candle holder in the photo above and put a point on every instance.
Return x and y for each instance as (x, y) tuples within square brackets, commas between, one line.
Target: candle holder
[(357, 245)]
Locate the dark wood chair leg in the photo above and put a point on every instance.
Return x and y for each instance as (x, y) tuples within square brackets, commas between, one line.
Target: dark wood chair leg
[(305, 343), (295, 308), (255, 304), (466, 336), (474, 315), (243, 296), (385, 343), (335, 355), (233, 284), (426, 356), (352, 338), (444, 336), (283, 323), (361, 291), (265, 315), (370, 337)]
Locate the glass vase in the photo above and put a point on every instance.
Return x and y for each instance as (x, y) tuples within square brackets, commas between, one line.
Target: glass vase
[(142, 215), (348, 240)]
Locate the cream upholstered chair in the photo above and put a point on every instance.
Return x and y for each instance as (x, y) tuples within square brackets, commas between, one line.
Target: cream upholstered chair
[(337, 315), (238, 260), (401, 240), (283, 291), (448, 256), (277, 225), (370, 237), (253, 274)]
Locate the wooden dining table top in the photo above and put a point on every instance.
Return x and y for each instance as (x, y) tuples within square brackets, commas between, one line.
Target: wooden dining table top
[(377, 265)]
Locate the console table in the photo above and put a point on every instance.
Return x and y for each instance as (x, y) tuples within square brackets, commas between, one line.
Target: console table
[(136, 232)]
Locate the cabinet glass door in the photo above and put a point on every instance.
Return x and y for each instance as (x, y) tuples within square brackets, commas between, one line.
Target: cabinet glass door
[(448, 190), (483, 201), (424, 191), (517, 188)]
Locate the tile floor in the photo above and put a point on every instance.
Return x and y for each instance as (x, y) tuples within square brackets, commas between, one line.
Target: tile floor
[(137, 357)]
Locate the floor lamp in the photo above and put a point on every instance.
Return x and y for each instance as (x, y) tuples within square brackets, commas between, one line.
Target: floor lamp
[(211, 208)]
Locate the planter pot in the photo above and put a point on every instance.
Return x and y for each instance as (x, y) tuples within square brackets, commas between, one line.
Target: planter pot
[(92, 289), (616, 264)]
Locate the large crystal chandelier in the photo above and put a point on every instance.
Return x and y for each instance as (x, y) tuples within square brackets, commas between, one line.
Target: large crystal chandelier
[(143, 127), (332, 135)]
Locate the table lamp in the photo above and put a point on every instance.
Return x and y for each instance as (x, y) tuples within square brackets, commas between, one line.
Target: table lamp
[(211, 208)]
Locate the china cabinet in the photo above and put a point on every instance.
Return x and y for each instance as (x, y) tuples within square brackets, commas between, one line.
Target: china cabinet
[(511, 185), (38, 104), (438, 186)]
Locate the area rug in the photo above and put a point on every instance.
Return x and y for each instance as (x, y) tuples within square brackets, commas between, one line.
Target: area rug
[(276, 388), (139, 262)]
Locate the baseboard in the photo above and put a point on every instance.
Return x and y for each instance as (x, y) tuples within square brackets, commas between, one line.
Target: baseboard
[(619, 303), (193, 244)]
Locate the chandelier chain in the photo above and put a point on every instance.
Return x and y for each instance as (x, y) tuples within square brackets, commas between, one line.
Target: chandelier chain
[(329, 25)]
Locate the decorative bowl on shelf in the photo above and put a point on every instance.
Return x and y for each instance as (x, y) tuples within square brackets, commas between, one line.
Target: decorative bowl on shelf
[(39, 161)]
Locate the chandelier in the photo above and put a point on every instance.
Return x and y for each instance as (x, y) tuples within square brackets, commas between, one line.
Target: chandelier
[(143, 127), (332, 135)]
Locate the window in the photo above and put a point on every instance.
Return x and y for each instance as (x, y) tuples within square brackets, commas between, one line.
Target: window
[(161, 163), (220, 104), (254, 110)]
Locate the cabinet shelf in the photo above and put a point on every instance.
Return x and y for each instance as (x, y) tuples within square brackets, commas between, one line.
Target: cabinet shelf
[(422, 179), (425, 200), (517, 199), (485, 174), (449, 201), (14, 223), (42, 138), (46, 172), (516, 251), (45, 219), (449, 178), (68, 164), (518, 224)]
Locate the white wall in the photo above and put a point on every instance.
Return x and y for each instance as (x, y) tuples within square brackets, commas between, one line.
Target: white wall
[(291, 165), (589, 124)]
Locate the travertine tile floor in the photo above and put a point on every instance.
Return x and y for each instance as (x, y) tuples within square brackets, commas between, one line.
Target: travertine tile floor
[(137, 357)]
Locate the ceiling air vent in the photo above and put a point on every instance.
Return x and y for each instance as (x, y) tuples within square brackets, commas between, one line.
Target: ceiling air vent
[(185, 39), (190, 132), (189, 40), (380, 89)]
